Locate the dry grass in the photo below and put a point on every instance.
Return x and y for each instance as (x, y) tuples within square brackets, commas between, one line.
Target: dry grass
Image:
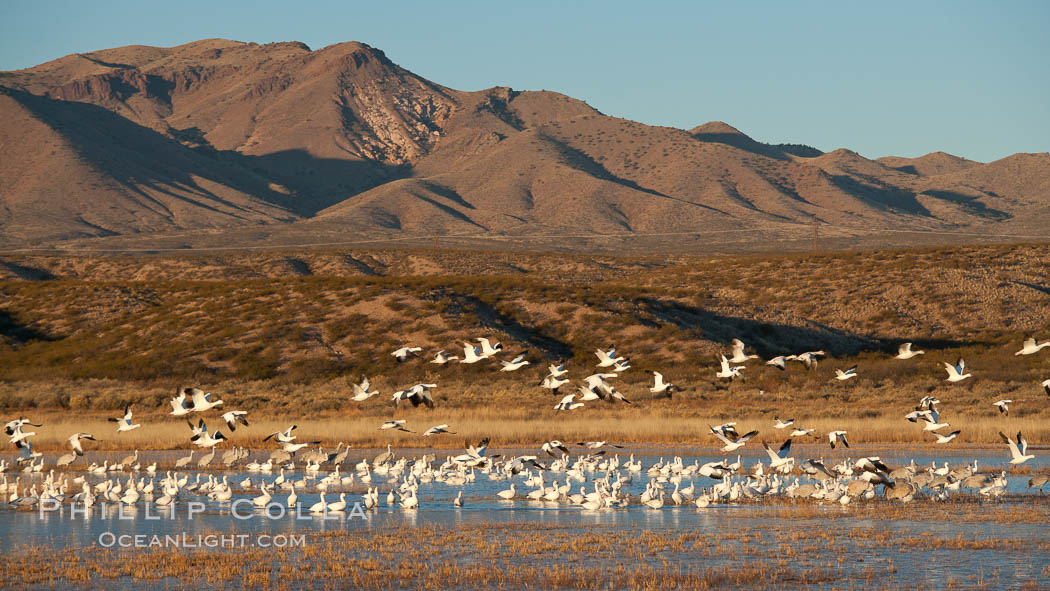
[(518, 427)]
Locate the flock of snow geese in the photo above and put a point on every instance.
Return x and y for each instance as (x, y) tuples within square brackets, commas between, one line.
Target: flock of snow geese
[(608, 477)]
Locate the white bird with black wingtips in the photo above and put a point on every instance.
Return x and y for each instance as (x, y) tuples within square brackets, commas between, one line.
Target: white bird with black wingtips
[(728, 372), (124, 423), (1002, 406), (955, 372), (514, 364), (738, 353), (1018, 448), (1030, 347), (361, 391), (660, 386), (234, 417), (842, 376), (906, 352), (836, 437), (948, 437), (441, 358), (403, 353)]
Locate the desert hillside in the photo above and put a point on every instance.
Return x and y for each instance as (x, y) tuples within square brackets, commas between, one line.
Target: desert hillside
[(148, 147)]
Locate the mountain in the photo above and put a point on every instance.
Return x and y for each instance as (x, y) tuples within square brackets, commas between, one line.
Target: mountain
[(243, 143)]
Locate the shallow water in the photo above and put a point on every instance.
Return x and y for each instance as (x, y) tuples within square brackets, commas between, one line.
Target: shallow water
[(102, 525)]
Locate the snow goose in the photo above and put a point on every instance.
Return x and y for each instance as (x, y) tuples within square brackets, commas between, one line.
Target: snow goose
[(488, 350), (508, 494), (780, 457), (320, 506), (124, 422), (471, 354), (905, 352), (1029, 347), (281, 436), (234, 417), (206, 439), (181, 405), (552, 383), (550, 446), (738, 353), (437, 430), (783, 424), (361, 391), (608, 358), (202, 400), (948, 437), (932, 421), (338, 506), (441, 358), (514, 364), (403, 353), (568, 404), (397, 424), (728, 372), (845, 375), (458, 501), (556, 371), (1018, 448), (955, 372), (836, 437), (1002, 406), (74, 442), (778, 362), (418, 394), (735, 443), (809, 358), (660, 386)]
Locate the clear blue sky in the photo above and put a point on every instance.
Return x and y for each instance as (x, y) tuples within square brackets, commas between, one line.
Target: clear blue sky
[(887, 78)]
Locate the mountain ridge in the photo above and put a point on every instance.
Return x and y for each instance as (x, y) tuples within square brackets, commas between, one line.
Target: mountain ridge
[(216, 135)]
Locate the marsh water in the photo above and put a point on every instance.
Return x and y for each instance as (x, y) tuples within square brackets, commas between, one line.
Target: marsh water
[(194, 517)]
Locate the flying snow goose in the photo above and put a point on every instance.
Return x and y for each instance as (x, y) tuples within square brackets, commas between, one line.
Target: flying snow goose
[(124, 423), (597, 444), (294, 447), (282, 436), (738, 353), (660, 386), (809, 358), (235, 416), (568, 404), (728, 372), (418, 394), (488, 350), (74, 442), (441, 358), (1029, 347), (727, 429), (436, 430), (845, 375), (783, 424), (948, 437), (550, 446), (608, 358), (202, 400), (955, 372), (403, 353), (779, 362), (181, 405), (906, 352), (514, 364), (800, 432), (557, 371), (1018, 448), (1002, 406), (471, 354), (361, 391), (780, 457), (622, 366), (205, 439), (16, 425), (835, 437), (732, 444), (552, 383), (398, 424)]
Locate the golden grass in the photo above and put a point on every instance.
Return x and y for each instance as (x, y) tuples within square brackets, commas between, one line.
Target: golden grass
[(516, 427)]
